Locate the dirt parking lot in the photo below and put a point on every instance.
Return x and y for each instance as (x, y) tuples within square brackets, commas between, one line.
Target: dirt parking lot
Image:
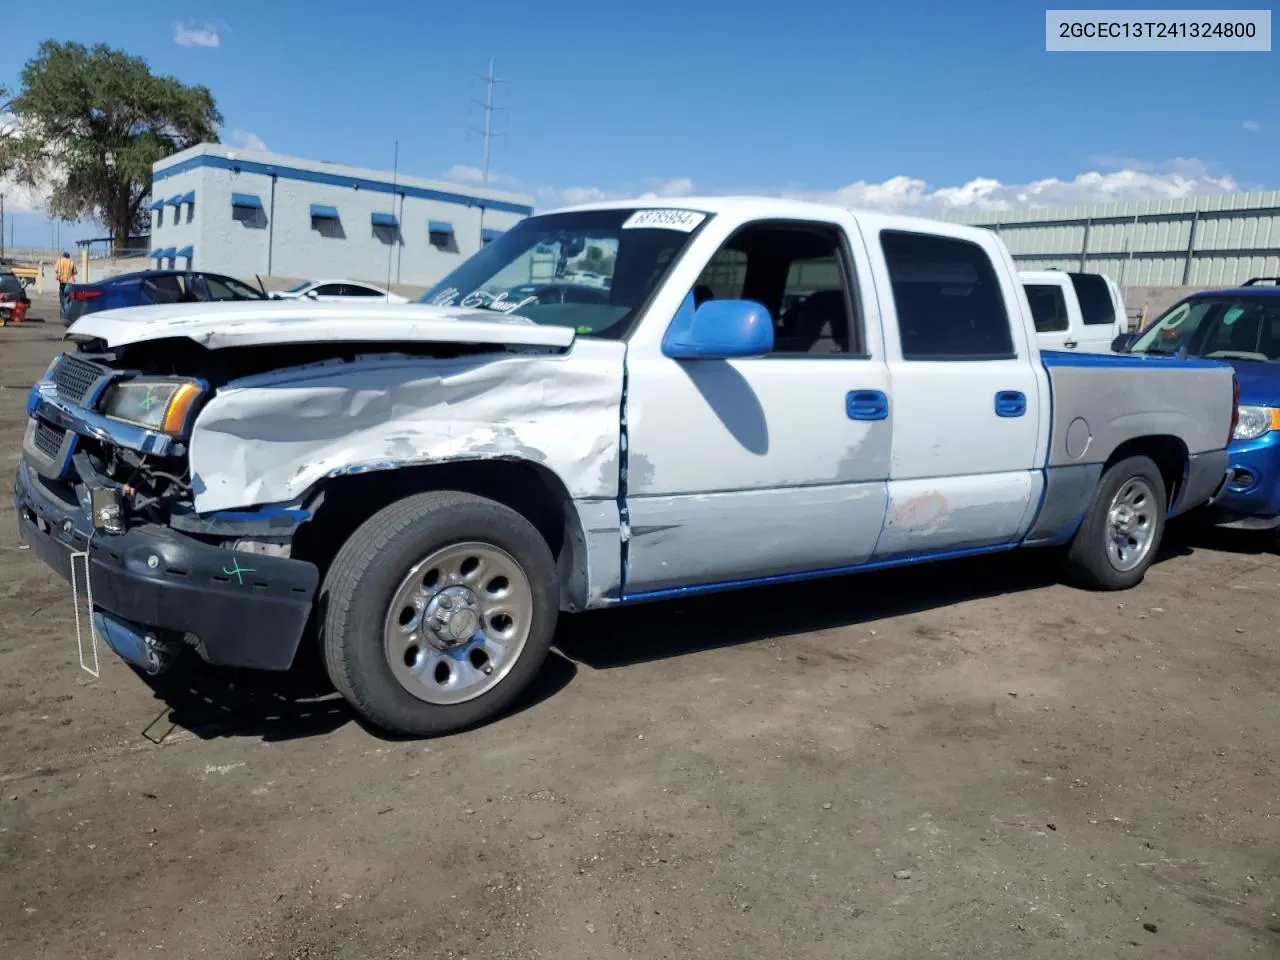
[(966, 760)]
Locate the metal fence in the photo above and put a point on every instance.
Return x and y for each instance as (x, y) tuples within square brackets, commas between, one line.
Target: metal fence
[(1188, 241)]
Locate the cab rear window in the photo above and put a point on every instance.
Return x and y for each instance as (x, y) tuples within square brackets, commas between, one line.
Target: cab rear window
[(1095, 299)]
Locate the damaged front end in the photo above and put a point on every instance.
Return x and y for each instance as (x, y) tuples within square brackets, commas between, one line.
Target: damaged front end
[(105, 476)]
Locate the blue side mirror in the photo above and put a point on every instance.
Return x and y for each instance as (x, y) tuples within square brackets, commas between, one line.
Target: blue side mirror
[(719, 330)]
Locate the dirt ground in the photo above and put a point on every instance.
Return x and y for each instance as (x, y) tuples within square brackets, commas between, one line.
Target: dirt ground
[(967, 760)]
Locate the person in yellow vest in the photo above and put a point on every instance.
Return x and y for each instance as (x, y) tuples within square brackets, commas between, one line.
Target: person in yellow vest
[(66, 270)]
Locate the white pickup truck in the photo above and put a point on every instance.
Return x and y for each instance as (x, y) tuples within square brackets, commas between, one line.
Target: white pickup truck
[(767, 391), (1075, 311)]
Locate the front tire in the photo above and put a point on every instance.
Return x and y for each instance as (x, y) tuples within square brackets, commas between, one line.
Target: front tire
[(1122, 529), (438, 612)]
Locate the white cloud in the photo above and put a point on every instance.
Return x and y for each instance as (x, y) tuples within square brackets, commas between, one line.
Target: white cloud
[(467, 174), (19, 198), (196, 36), (1132, 180), (1253, 126), (246, 140)]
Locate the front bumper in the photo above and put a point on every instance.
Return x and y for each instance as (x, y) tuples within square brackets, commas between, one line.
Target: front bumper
[(247, 610), (1250, 500)]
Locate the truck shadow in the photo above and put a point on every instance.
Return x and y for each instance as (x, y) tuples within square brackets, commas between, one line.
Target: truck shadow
[(212, 702), (608, 639)]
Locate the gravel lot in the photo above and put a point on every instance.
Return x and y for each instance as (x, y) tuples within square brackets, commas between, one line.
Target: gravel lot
[(966, 760)]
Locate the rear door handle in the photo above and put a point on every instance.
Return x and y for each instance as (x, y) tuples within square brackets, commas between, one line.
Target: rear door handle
[(1011, 403), (1070, 344), (866, 405)]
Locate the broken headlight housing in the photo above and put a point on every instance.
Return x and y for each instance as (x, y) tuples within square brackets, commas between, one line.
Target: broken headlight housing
[(159, 404)]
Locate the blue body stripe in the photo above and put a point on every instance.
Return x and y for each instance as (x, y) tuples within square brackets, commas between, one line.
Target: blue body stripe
[(903, 561), (1065, 358), (335, 180)]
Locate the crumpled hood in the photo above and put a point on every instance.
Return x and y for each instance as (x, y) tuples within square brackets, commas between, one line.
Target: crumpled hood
[(260, 322)]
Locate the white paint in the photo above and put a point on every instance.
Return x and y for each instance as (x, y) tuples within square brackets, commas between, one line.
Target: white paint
[(732, 427), (746, 534), (1079, 336), (975, 511), (273, 437), (945, 428), (684, 221), (261, 322)]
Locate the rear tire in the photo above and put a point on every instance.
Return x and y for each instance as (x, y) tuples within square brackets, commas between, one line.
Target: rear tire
[(1122, 529), (438, 612)]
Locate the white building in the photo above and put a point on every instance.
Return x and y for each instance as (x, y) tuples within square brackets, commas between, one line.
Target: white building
[(246, 213)]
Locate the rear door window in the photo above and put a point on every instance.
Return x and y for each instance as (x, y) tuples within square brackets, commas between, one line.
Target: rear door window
[(1095, 299), (164, 289), (1048, 307), (948, 298)]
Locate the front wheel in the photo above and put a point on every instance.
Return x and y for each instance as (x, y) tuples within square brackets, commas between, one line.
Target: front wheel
[(1120, 533), (438, 612)]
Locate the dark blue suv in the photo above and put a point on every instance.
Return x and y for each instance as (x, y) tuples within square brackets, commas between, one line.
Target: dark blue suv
[(152, 286), (1240, 326)]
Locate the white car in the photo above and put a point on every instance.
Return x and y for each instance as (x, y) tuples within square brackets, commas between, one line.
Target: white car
[(1074, 311), (339, 291)]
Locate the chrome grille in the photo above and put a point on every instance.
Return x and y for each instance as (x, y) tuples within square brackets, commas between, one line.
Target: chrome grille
[(74, 378), (48, 439)]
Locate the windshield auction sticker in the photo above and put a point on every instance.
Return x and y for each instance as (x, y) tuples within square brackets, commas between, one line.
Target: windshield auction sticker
[(1158, 30), (683, 220)]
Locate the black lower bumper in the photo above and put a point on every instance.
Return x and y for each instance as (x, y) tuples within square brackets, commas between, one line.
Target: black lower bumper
[(247, 610), (1206, 476), (1221, 516)]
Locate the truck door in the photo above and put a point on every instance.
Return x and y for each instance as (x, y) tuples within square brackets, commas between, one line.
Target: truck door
[(747, 469), (969, 422), (1051, 315), (1101, 316)]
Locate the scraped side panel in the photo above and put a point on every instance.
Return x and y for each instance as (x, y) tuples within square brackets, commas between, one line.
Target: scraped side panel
[(1099, 402), (958, 512), (271, 438), (741, 535)]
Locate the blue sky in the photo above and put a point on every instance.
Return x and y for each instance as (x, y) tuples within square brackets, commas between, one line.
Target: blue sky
[(918, 106)]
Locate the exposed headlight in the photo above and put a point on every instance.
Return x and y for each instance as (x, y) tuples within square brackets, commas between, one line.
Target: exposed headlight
[(160, 405), (1256, 422)]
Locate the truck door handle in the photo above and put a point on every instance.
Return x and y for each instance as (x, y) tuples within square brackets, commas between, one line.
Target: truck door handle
[(1011, 403), (866, 405), (1070, 344)]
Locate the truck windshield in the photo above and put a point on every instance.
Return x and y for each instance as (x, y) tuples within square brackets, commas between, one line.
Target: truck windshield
[(590, 270), (1217, 327)]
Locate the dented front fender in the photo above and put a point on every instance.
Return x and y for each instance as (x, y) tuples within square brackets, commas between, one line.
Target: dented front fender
[(272, 437)]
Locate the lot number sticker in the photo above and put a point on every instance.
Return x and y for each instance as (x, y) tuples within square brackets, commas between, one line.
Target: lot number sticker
[(682, 220)]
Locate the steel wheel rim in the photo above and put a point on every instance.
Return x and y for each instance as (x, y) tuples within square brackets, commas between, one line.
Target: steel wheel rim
[(1131, 524), (458, 622)]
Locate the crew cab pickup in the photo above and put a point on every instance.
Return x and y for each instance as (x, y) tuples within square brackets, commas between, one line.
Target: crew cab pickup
[(1075, 311), (766, 391)]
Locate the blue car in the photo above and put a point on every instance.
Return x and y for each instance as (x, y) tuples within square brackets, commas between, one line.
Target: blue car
[(1240, 326), (152, 286)]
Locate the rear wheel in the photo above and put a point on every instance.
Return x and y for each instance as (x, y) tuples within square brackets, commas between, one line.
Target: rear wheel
[(1120, 533), (438, 612)]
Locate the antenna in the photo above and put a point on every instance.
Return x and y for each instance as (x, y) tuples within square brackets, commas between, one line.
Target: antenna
[(490, 81), (395, 172)]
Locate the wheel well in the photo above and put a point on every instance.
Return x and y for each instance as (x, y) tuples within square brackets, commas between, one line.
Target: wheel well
[(1170, 456), (530, 489)]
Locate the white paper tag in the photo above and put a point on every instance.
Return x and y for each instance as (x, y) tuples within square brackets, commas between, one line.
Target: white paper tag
[(683, 220)]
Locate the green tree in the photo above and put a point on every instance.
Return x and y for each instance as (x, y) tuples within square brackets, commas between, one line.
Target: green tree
[(90, 122)]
